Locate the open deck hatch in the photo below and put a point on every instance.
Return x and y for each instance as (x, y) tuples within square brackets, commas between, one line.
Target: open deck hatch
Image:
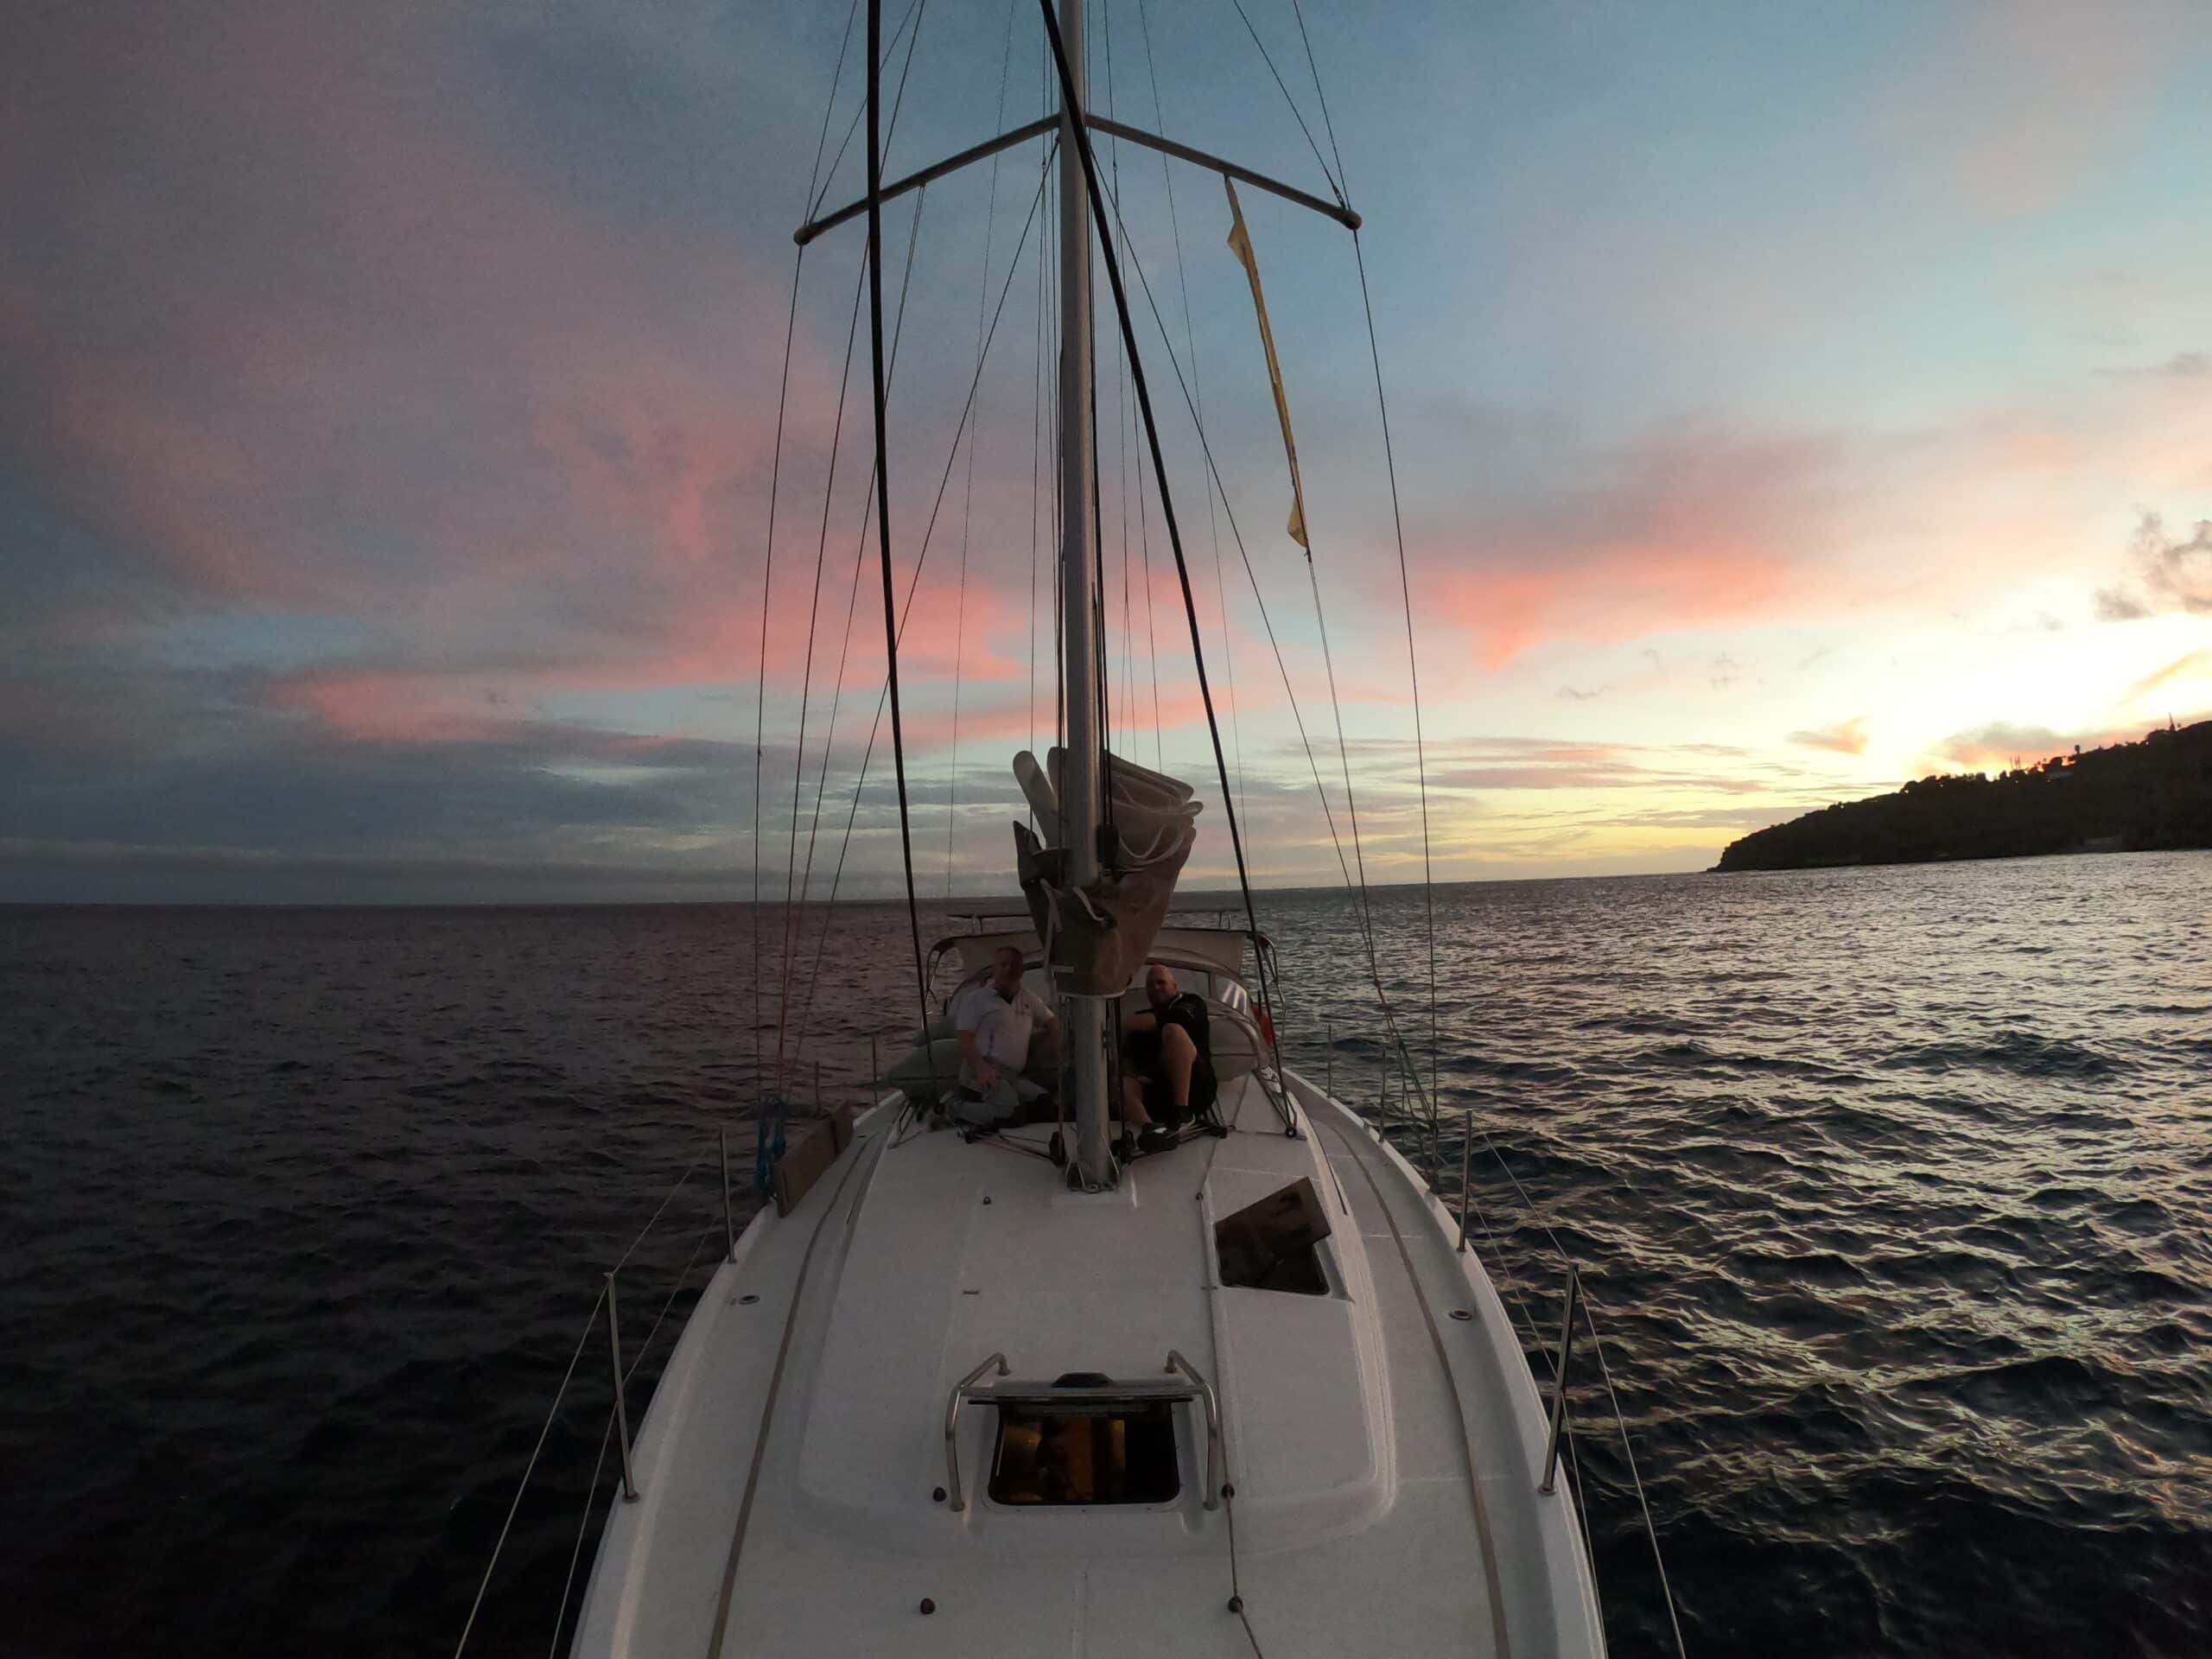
[(1089, 1449), (1273, 1244)]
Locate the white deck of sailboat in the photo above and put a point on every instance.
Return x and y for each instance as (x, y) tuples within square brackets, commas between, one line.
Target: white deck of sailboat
[(1383, 1453)]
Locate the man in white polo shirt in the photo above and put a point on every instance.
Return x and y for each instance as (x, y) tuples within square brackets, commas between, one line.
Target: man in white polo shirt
[(993, 1021)]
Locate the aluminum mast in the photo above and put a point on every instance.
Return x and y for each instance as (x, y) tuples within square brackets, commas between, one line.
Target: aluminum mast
[(1080, 780)]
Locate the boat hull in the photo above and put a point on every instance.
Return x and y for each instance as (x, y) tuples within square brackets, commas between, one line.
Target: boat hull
[(1384, 1441)]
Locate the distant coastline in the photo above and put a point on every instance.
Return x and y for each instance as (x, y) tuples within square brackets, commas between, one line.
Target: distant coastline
[(2154, 795)]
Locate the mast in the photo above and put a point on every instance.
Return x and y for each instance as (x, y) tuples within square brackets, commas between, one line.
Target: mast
[(1081, 784), (1080, 776)]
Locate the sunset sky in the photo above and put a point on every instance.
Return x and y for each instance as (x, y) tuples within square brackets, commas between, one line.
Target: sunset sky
[(1787, 401)]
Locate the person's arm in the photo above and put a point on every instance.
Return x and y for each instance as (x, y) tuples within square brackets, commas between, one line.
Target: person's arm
[(1042, 1010), (984, 1072), (1136, 1024)]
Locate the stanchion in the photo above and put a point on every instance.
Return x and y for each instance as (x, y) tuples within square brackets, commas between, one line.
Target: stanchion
[(729, 1215)]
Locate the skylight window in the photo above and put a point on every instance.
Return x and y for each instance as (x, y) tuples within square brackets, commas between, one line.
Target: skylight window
[(1274, 1244), (1092, 1451)]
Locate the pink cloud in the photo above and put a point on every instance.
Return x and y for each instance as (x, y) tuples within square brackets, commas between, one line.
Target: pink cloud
[(2196, 664), (1845, 737), (2002, 745), (393, 708), (294, 316), (382, 363), (1690, 535)]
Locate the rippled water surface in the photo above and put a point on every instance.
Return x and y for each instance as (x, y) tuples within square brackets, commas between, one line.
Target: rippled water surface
[(1892, 1189)]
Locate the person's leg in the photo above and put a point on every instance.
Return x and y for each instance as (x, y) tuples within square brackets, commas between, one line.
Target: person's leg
[(1179, 1054), (1133, 1111)]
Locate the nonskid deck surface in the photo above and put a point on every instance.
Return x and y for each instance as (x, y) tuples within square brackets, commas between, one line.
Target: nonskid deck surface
[(1381, 1453)]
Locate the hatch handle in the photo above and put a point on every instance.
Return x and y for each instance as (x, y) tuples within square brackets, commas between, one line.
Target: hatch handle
[(1217, 1455), (953, 1493)]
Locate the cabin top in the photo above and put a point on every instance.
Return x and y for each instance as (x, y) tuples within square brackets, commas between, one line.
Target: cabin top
[(957, 1254)]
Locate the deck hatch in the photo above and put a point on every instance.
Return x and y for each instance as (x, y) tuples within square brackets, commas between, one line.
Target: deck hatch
[(1085, 1432), (1092, 1449), (1274, 1244)]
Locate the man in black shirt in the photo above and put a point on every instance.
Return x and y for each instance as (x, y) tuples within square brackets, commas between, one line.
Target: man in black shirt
[(1170, 1071)]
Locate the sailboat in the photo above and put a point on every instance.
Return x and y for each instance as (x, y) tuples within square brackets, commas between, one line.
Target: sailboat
[(1241, 1389)]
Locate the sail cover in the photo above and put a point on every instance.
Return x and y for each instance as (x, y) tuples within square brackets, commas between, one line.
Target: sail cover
[(1096, 937)]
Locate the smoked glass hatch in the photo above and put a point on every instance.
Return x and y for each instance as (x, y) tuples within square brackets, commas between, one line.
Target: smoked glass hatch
[(1274, 1243), (1088, 1451)]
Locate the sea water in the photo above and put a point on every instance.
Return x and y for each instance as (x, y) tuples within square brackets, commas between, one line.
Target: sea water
[(1891, 1190)]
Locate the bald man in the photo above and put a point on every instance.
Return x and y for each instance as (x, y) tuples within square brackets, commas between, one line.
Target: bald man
[(1169, 1074)]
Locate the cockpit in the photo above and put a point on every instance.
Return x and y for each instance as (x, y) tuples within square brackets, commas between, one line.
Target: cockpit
[(1207, 963)]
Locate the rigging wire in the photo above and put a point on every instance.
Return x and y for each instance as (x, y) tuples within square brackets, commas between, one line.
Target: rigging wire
[(761, 692), (883, 475), (1048, 252), (1320, 616), (1150, 637), (852, 597), (1122, 417), (968, 506), (1589, 1322), (583, 1522), (1405, 579), (1267, 58), (1413, 672), (1105, 672), (1344, 759), (1313, 68), (814, 179), (1036, 466), (1628, 1451), (913, 583), (1390, 1017), (913, 8), (872, 277), (768, 549), (591, 1322), (806, 681), (606, 1435), (1190, 345)]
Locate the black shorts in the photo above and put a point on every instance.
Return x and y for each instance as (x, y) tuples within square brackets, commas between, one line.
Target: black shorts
[(1149, 1065)]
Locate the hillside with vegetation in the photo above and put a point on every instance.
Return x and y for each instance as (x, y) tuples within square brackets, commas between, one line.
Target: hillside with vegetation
[(2128, 797)]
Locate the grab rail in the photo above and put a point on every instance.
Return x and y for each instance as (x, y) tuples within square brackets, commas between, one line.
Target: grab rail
[(954, 1493), (1216, 1453)]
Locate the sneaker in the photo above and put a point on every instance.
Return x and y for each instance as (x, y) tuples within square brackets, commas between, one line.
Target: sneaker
[(1154, 1137)]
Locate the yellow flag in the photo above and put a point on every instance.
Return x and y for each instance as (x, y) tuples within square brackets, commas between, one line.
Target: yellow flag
[(1240, 244)]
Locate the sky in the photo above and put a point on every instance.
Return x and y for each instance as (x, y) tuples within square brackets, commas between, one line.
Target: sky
[(404, 489)]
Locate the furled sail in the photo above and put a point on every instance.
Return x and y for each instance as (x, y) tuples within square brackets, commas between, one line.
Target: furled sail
[(1096, 937)]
